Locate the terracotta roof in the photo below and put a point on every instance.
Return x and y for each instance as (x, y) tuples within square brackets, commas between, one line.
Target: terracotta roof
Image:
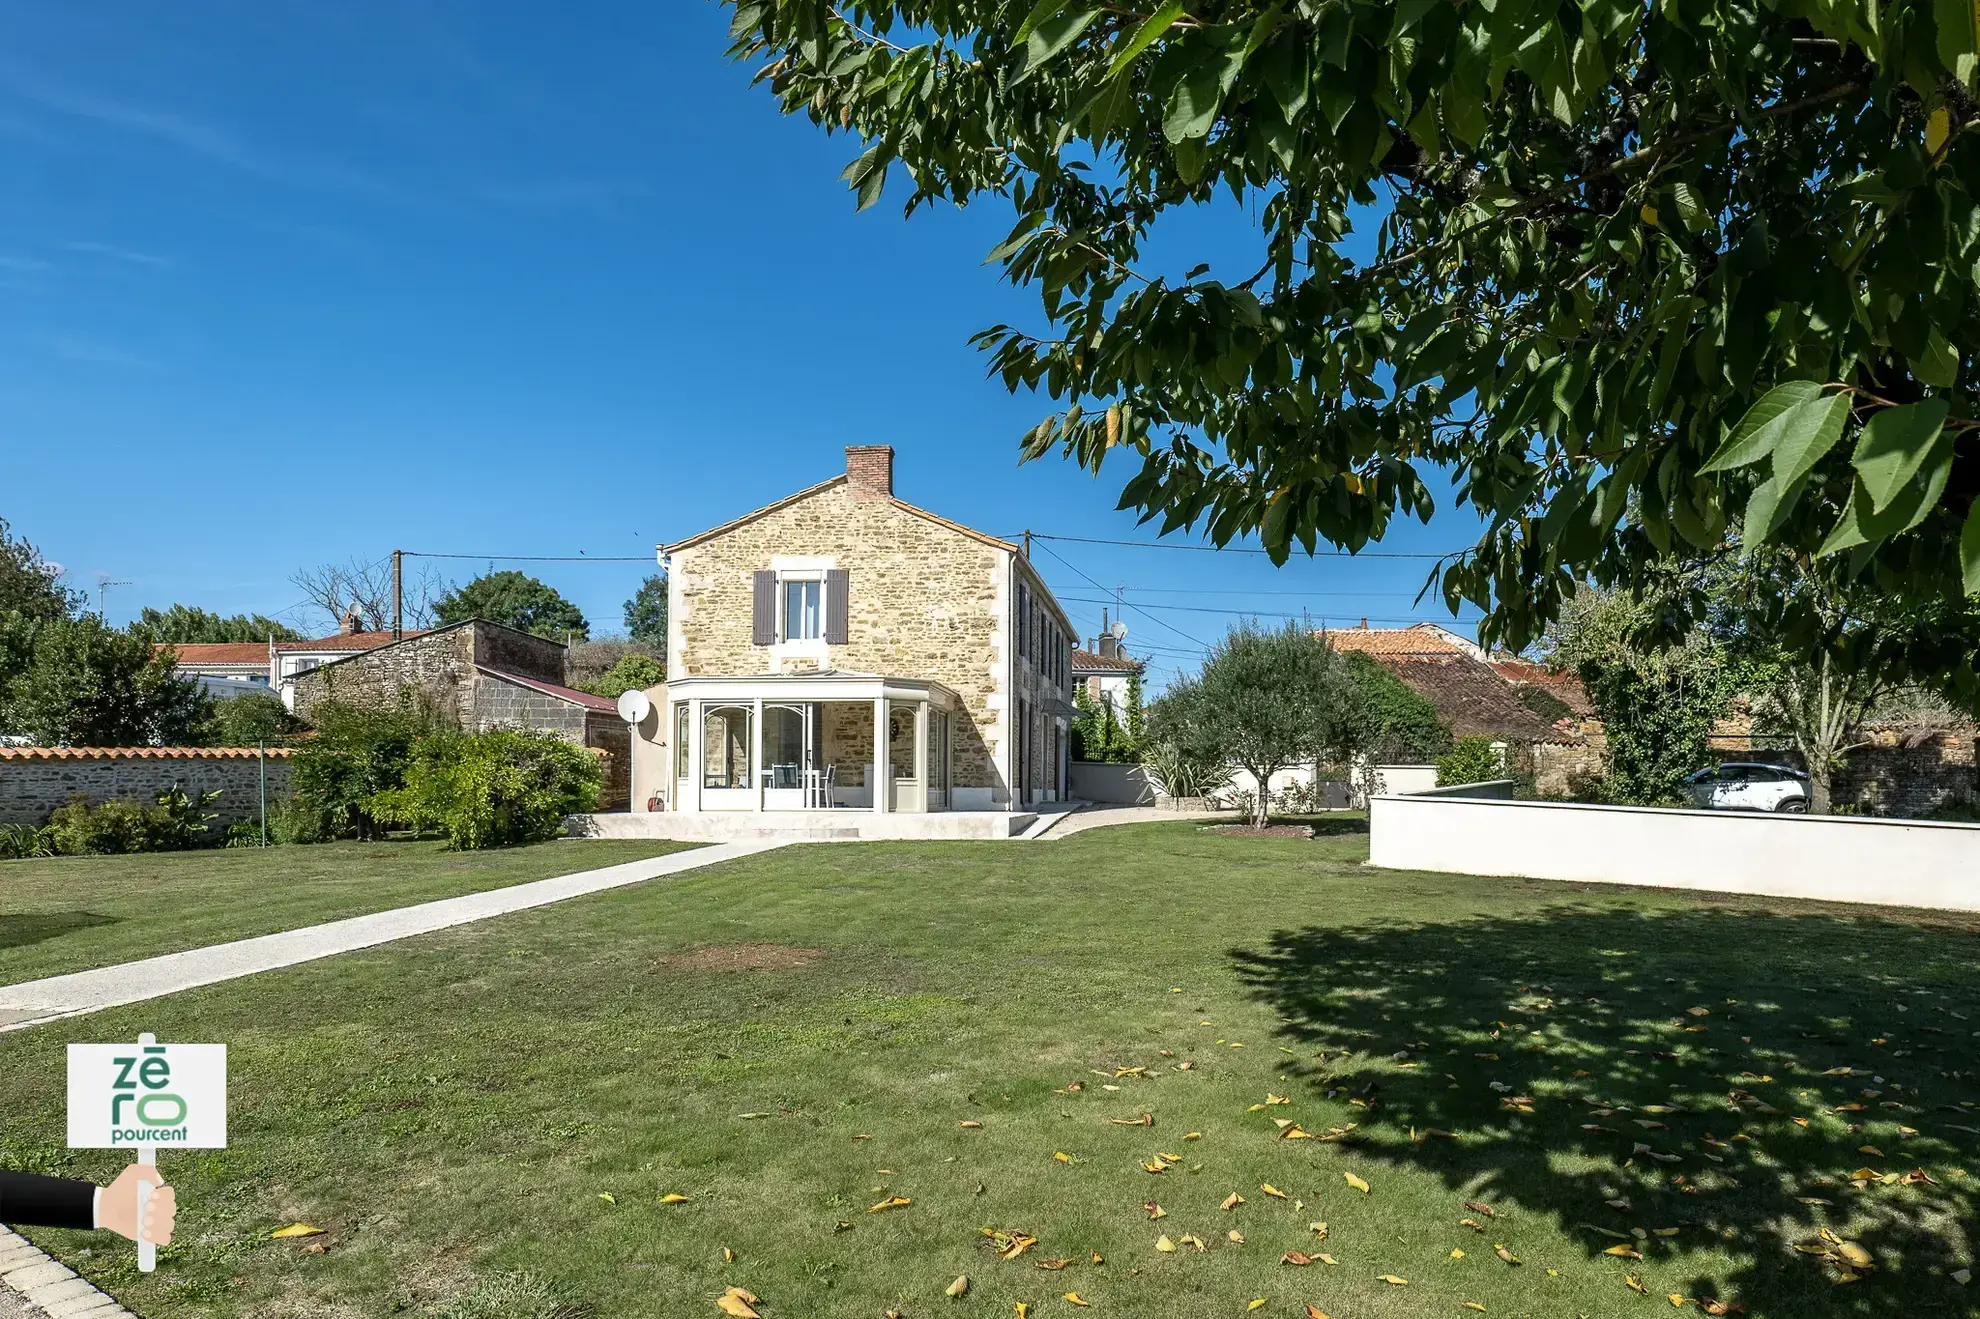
[(1391, 641), (251, 653), (1563, 686), (352, 641), (1085, 661), (138, 753), (571, 694), (1471, 699)]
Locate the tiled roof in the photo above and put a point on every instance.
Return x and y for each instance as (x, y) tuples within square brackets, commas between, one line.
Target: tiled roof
[(352, 641), (1470, 699), (139, 753), (571, 694), (1391, 641), (1564, 687), (1085, 661), (250, 653)]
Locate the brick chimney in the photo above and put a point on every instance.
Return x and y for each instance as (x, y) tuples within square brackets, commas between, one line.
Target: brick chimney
[(870, 470), (352, 622)]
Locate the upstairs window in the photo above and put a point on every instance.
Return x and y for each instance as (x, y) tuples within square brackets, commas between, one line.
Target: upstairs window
[(804, 612)]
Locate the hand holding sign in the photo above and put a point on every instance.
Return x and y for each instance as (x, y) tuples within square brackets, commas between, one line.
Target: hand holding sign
[(117, 1211), (145, 1097)]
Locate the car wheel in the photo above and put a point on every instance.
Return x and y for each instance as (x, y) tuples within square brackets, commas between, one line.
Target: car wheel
[(1793, 806)]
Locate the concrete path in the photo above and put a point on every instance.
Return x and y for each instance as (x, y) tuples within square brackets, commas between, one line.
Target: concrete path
[(1100, 817), (33, 1286), (38, 1001)]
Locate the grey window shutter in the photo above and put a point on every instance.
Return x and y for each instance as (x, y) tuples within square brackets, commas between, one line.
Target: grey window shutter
[(764, 615), (838, 607)]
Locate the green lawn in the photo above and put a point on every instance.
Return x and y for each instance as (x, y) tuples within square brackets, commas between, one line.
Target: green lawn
[(75, 913), (792, 1039)]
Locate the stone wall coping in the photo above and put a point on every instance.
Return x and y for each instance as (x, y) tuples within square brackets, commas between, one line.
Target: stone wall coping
[(143, 753)]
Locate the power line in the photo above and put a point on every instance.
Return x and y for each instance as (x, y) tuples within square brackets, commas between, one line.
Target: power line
[(1137, 608), (1222, 549), (1248, 613), (1227, 591), (536, 558)]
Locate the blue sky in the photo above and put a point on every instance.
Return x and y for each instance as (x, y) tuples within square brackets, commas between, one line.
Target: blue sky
[(282, 284)]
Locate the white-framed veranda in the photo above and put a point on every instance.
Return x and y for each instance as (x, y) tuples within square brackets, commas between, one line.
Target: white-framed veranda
[(812, 742)]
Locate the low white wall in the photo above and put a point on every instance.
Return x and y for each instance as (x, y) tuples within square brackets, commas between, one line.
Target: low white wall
[(1400, 780), (1484, 790), (1829, 858), (1116, 785)]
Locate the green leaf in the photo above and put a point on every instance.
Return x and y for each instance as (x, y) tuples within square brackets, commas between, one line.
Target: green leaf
[(1969, 550), (1042, 12), (1940, 364), (1811, 431), (1287, 69), (1895, 444), (1955, 20), (1054, 35), (1193, 109), (1691, 211), (1146, 35), (1763, 513), (1862, 526), (1762, 426)]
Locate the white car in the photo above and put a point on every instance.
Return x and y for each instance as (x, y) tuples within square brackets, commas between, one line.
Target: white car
[(1745, 786)]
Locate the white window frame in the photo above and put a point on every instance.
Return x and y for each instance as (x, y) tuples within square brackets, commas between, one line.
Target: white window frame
[(803, 568)]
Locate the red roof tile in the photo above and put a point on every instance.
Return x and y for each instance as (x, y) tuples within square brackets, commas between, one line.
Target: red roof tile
[(139, 753), (351, 641), (1404, 641), (249, 653), (1085, 661)]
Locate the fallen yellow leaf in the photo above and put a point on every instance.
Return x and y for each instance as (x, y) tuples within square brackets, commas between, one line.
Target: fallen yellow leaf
[(1023, 1310), (971, 1126), (1272, 1190), (1473, 1305), (1074, 1298), (891, 1202), (295, 1230), (1394, 1281), (1166, 1246), (1235, 1237), (673, 1198), (1355, 1182), (1155, 1211), (608, 1197), (1256, 1303), (958, 1287), (1315, 1312), (1457, 1254), (1192, 1135), (1232, 1201), (737, 1302), (1060, 1156)]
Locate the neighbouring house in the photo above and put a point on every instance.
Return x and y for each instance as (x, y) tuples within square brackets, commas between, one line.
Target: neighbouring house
[(223, 669), (844, 649), (486, 675), (289, 660), (1474, 698), (1104, 669)]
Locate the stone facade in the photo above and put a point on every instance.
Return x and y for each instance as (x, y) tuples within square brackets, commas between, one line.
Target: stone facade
[(35, 780), (926, 598), (1896, 773), (469, 672)]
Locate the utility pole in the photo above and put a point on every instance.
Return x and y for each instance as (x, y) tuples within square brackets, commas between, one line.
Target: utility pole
[(398, 593), (1027, 544)]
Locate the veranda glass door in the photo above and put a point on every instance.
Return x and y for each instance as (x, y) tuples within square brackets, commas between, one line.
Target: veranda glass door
[(793, 758)]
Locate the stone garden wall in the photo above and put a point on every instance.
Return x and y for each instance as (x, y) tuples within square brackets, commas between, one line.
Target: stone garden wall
[(35, 780)]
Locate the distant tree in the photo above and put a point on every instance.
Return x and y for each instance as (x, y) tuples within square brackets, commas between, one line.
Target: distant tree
[(1268, 700), (516, 599), (646, 612), (29, 584), (192, 625), (249, 719), (338, 589), (635, 672), (84, 683), (1658, 696)]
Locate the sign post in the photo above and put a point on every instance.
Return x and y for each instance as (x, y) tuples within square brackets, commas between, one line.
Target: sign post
[(146, 1097)]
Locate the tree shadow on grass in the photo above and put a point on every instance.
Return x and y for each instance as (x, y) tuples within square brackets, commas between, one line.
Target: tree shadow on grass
[(1690, 1064), (20, 930)]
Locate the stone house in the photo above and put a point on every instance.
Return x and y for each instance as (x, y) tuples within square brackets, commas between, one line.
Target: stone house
[(1104, 670), (842, 649), (486, 675)]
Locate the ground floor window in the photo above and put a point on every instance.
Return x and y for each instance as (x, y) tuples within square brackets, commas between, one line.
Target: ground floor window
[(725, 748)]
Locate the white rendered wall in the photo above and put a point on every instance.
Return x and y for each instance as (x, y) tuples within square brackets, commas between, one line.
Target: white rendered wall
[(1828, 858)]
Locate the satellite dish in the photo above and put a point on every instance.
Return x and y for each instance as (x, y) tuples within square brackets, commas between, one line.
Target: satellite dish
[(634, 706), (1118, 631)]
